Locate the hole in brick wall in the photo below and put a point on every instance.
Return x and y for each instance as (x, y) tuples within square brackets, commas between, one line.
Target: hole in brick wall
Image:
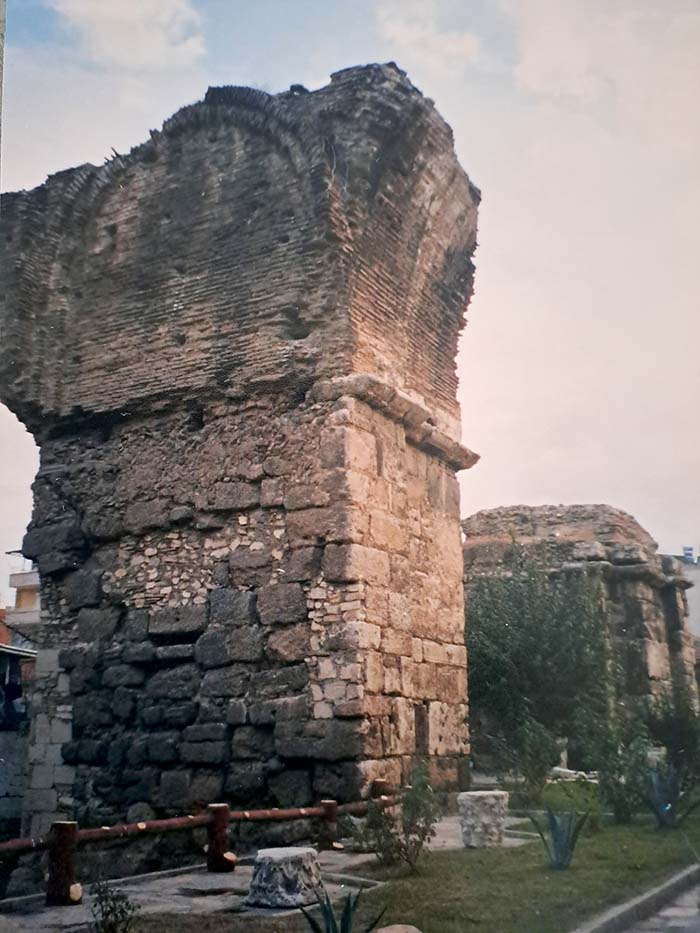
[(421, 723), (195, 416), (294, 328), (380, 457), (179, 338)]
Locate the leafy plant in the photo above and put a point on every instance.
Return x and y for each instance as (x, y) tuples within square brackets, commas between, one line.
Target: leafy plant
[(563, 830), (666, 797), (530, 751), (330, 924), (112, 910), (536, 640), (533, 639), (400, 834), (613, 739), (674, 725)]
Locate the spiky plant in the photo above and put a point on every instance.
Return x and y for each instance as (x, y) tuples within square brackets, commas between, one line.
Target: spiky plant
[(666, 795), (329, 923), (563, 832)]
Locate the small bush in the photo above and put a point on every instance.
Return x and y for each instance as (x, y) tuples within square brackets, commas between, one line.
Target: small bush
[(530, 751), (112, 910), (563, 830), (329, 922), (401, 836), (674, 725)]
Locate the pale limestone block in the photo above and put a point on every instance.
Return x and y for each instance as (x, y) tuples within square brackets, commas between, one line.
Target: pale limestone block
[(285, 877), (482, 817)]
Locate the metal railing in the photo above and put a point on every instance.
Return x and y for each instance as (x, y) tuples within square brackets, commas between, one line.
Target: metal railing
[(65, 836)]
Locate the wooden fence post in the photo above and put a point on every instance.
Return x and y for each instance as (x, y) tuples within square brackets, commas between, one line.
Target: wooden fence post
[(330, 824), (61, 887), (380, 788), (219, 859)]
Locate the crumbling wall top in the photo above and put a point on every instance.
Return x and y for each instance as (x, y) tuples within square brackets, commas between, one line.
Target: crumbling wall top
[(256, 241)]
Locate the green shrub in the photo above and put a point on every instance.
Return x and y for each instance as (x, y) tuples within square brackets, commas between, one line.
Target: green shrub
[(112, 910), (534, 641), (537, 649), (330, 924), (563, 832), (400, 835), (674, 725), (529, 752)]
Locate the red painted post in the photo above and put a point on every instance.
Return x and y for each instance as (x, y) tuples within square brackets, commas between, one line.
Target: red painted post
[(61, 887), (219, 859), (330, 824)]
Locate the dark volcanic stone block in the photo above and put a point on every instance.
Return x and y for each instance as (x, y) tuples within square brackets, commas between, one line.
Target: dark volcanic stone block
[(97, 624), (281, 603), (163, 747), (291, 788), (205, 732), (82, 588), (220, 646), (142, 516), (174, 790), (185, 620), (230, 496), (245, 778), (123, 675), (250, 742), (302, 564), (204, 752), (225, 682), (232, 607), (175, 683)]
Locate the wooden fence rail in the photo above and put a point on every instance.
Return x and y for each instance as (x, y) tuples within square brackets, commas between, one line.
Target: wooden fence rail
[(64, 837)]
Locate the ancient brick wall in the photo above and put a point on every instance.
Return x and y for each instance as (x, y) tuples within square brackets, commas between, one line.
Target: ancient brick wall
[(236, 348), (644, 592)]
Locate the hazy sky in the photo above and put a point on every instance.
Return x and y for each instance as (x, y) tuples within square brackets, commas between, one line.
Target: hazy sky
[(580, 122)]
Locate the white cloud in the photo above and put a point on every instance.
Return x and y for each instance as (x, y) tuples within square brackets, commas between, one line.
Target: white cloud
[(636, 59), (79, 115), (137, 35), (413, 27)]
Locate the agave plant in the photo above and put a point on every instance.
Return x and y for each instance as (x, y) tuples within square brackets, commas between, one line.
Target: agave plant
[(666, 797), (564, 829), (330, 924)]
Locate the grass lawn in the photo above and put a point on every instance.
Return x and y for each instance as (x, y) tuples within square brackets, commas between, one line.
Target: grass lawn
[(514, 891), (559, 795)]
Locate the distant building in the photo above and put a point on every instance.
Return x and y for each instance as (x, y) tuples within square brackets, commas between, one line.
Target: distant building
[(17, 661), (23, 618), (691, 570)]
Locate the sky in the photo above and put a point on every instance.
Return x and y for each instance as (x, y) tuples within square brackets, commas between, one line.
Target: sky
[(580, 122)]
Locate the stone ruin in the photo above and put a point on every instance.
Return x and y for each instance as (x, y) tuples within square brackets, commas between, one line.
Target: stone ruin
[(235, 347), (644, 592)]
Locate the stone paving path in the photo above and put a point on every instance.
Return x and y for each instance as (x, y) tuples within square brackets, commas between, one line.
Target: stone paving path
[(680, 916), (195, 892)]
